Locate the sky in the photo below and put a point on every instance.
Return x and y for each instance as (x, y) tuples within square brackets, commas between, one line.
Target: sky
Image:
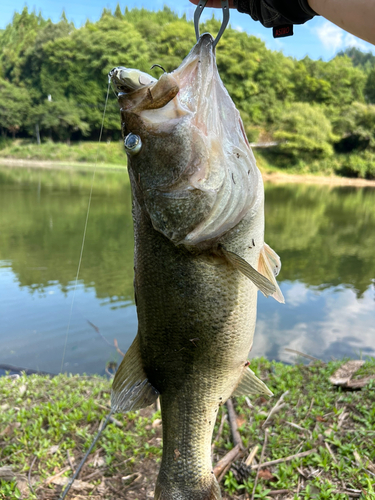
[(318, 39)]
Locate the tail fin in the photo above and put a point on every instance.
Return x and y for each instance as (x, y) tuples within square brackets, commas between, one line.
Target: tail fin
[(209, 490)]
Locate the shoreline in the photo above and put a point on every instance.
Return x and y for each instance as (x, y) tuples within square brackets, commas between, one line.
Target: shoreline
[(329, 180), (274, 177), (56, 165)]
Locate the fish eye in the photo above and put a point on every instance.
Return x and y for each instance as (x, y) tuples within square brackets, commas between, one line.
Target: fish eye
[(133, 144)]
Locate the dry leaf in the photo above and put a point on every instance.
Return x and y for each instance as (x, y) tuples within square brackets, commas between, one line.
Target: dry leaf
[(320, 419), (22, 389), (6, 473), (343, 375), (23, 486), (267, 475), (77, 484), (156, 423), (53, 449), (240, 421), (9, 429)]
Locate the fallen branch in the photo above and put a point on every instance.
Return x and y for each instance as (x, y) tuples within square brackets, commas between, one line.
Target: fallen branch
[(310, 407), (330, 452), (223, 464), (276, 408), (98, 332), (286, 459), (278, 492), (233, 424), (251, 456), (70, 461), (304, 355), (224, 417), (292, 424), (261, 460), (117, 348), (29, 475)]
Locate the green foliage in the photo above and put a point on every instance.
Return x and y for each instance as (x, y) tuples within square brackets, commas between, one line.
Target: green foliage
[(304, 133), (358, 57), (14, 107), (63, 117), (356, 126), (300, 102), (370, 86)]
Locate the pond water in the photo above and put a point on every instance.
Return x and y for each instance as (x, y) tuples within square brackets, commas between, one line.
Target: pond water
[(325, 237)]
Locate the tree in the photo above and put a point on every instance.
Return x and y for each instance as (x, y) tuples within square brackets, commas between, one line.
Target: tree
[(14, 107), (370, 86), (356, 125), (62, 117), (304, 132)]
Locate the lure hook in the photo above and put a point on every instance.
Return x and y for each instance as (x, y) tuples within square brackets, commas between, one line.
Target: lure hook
[(198, 12)]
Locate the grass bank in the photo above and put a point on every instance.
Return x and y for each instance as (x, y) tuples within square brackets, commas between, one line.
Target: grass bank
[(46, 424), (80, 153), (338, 170)]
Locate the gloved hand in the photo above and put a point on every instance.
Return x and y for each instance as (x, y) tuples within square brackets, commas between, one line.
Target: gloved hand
[(275, 13)]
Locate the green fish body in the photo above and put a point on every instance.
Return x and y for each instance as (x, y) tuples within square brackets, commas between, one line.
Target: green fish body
[(200, 258)]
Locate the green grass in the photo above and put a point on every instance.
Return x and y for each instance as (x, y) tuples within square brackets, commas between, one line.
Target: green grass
[(353, 165), (45, 421), (105, 153)]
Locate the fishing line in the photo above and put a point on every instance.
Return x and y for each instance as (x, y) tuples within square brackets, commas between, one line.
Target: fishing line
[(85, 229)]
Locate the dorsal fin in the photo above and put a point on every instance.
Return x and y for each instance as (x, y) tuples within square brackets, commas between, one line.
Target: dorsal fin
[(131, 389), (263, 283), (269, 265)]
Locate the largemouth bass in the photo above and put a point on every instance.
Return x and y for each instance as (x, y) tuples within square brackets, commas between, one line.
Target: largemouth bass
[(200, 258)]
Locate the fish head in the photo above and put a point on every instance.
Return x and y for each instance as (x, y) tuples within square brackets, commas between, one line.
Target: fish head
[(188, 155)]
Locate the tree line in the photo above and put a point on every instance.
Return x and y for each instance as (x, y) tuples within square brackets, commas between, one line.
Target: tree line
[(53, 85)]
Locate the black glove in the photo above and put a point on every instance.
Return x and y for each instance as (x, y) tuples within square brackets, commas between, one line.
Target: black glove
[(276, 13)]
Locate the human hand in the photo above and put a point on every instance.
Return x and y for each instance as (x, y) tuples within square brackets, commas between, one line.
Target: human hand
[(271, 13)]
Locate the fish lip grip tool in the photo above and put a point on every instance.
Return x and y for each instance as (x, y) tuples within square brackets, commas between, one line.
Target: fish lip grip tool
[(198, 12)]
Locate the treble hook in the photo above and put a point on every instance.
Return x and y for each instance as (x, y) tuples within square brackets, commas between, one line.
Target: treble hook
[(197, 14)]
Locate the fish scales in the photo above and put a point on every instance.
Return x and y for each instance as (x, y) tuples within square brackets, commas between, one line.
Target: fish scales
[(198, 248)]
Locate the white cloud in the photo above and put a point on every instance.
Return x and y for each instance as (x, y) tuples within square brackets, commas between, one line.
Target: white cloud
[(239, 28), (334, 38), (331, 36), (353, 41), (297, 294)]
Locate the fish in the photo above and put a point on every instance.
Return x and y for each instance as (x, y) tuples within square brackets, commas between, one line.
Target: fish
[(199, 260)]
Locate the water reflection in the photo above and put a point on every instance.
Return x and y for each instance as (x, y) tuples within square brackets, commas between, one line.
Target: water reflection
[(324, 236), (330, 323)]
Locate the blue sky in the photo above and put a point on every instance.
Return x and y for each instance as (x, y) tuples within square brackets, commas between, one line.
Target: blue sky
[(318, 38)]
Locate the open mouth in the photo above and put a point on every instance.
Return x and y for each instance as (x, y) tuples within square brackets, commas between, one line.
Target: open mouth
[(141, 92)]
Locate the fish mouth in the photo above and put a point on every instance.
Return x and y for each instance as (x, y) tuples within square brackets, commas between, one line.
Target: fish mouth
[(137, 91)]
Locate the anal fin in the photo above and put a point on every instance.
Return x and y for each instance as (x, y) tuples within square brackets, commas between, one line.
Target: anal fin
[(131, 389), (251, 385)]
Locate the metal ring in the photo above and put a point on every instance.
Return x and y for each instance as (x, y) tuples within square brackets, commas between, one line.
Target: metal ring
[(198, 12)]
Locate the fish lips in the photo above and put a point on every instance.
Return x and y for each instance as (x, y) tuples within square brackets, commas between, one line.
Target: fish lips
[(146, 93)]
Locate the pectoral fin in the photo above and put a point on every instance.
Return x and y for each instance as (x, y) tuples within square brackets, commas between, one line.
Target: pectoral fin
[(131, 389), (263, 283), (269, 265), (250, 385)]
